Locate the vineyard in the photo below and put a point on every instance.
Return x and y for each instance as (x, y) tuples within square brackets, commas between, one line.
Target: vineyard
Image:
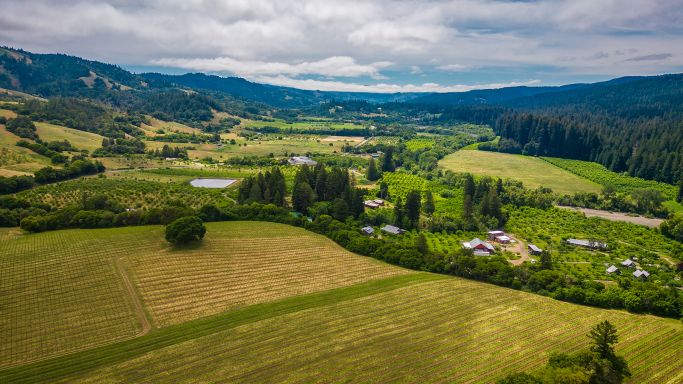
[(63, 290), (601, 175), (533, 172), (419, 144), (220, 275), (448, 330)]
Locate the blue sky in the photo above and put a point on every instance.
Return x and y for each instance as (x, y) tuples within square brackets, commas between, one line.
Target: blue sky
[(374, 45)]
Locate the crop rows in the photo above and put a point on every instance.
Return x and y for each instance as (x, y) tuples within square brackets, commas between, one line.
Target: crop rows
[(60, 292), (451, 330), (601, 175), (419, 143), (220, 275), (400, 183), (128, 192)]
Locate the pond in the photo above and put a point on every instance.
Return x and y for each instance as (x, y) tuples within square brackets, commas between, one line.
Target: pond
[(211, 183)]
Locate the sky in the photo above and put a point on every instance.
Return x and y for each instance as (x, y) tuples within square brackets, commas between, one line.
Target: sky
[(362, 46)]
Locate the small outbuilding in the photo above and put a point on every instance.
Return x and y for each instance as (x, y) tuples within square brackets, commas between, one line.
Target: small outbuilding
[(612, 269), (628, 263), (370, 204), (641, 274), (301, 160), (368, 230), (587, 243), (493, 235), (534, 250), (394, 230)]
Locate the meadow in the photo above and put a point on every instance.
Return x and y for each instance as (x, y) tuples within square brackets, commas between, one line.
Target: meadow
[(533, 172), (308, 125), (79, 139)]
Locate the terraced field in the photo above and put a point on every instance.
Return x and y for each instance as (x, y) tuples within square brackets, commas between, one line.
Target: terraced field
[(533, 172)]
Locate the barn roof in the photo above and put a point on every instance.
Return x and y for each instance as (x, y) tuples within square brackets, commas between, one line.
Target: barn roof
[(535, 248), (392, 229)]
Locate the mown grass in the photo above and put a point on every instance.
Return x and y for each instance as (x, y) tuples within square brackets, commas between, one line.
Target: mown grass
[(533, 172), (414, 328)]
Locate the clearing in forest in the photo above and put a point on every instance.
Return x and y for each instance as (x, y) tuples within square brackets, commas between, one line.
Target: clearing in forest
[(533, 172), (79, 139)]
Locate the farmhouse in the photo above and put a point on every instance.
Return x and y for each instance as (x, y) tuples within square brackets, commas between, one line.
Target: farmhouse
[(612, 269), (392, 230), (628, 263), (480, 247), (534, 250), (302, 160), (641, 274), (368, 230), (587, 243)]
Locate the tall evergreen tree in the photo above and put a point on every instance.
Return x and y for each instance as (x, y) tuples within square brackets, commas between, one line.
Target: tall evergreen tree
[(469, 186), (372, 173), (302, 197), (398, 212), (679, 198), (421, 243), (413, 206), (468, 209), (428, 206), (546, 260), (388, 164)]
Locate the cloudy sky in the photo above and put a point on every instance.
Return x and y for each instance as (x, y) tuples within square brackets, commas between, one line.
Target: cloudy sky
[(377, 45)]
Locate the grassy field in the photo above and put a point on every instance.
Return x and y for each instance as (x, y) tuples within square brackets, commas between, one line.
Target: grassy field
[(17, 160), (288, 144), (63, 291), (533, 172), (166, 126), (312, 124), (79, 139)]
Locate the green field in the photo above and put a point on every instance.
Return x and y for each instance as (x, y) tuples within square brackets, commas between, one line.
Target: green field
[(310, 124), (79, 139), (533, 172), (264, 302), (17, 160)]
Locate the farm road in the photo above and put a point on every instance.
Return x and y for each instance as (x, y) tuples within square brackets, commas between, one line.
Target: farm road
[(135, 299)]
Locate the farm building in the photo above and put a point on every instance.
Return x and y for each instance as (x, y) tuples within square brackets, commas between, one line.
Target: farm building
[(628, 263), (503, 239), (371, 204), (480, 247), (301, 160), (641, 274), (534, 250), (379, 202), (492, 235), (392, 230), (368, 230), (612, 269), (587, 243)]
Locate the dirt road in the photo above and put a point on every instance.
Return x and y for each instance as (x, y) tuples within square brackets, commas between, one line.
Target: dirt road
[(616, 216), (132, 293)]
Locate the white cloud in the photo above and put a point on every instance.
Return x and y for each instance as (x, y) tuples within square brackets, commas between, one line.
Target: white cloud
[(336, 66), (357, 38), (321, 85), (453, 67)]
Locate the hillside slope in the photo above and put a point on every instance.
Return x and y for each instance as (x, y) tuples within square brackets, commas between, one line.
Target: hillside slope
[(282, 306)]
